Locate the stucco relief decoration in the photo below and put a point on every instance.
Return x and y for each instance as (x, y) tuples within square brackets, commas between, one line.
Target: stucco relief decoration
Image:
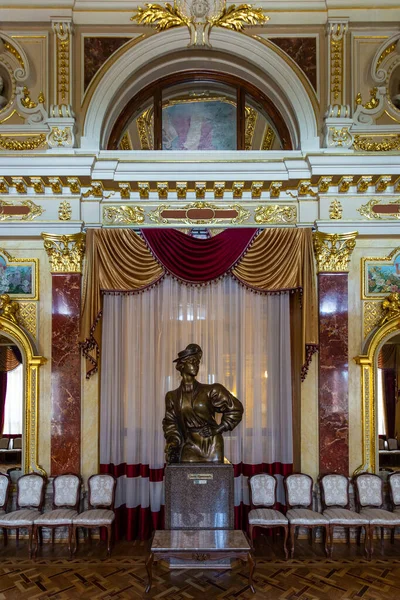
[(200, 16)]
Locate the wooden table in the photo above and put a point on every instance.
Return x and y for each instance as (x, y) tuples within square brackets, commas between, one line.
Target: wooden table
[(200, 545)]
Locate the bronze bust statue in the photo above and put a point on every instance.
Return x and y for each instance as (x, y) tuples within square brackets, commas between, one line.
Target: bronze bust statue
[(190, 429)]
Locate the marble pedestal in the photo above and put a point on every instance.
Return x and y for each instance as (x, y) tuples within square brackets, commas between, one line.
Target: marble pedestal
[(199, 496)]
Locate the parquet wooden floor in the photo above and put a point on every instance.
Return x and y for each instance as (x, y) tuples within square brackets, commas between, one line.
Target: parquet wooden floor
[(91, 576)]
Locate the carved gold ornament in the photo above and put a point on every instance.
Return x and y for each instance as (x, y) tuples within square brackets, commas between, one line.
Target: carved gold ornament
[(9, 211), (38, 185), (275, 213), (324, 184), (382, 183), (367, 144), (3, 186), (390, 308), (256, 189), (144, 190), (125, 190), (333, 250), (336, 31), (16, 145), (219, 189), (74, 185), (275, 189), (192, 214), (363, 183), (199, 16), (340, 137), (268, 139), (335, 210), (65, 252), (27, 101), (366, 210), (64, 211), (373, 102), (126, 215), (391, 48), (9, 308), (345, 183)]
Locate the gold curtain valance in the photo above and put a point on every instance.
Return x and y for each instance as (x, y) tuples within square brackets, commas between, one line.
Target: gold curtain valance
[(118, 260)]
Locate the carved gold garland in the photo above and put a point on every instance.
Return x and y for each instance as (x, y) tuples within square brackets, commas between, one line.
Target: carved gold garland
[(16, 145), (275, 213), (367, 144), (123, 215)]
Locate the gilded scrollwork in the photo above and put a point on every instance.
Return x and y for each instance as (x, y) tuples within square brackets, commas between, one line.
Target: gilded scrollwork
[(275, 213), (65, 211), (333, 251), (127, 215), (367, 144), (390, 308), (65, 252), (9, 308), (30, 143), (366, 210), (34, 210)]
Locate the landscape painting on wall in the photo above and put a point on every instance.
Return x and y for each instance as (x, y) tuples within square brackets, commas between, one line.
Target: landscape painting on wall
[(17, 280), (199, 125), (382, 278)]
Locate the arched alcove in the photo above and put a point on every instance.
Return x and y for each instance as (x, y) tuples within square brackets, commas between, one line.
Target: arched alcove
[(257, 62), (31, 363)]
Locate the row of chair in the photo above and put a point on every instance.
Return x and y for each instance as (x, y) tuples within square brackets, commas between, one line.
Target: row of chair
[(335, 499), (65, 508)]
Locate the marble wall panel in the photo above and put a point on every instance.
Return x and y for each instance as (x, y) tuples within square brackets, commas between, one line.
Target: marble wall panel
[(304, 52), (96, 51), (333, 373), (66, 374)]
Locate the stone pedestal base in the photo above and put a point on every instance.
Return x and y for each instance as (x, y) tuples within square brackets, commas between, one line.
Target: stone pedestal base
[(199, 496)]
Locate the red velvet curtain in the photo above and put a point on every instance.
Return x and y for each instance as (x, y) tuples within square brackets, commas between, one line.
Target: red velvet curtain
[(195, 260), (389, 384)]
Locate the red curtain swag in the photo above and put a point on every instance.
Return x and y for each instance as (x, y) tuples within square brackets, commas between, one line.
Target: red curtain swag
[(196, 260)]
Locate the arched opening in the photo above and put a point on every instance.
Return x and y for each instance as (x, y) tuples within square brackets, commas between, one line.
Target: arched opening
[(200, 110)]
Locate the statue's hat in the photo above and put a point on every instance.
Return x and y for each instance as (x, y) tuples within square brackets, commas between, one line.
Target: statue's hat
[(190, 350)]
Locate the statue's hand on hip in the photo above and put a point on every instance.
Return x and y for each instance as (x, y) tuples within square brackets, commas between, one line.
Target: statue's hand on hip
[(208, 431)]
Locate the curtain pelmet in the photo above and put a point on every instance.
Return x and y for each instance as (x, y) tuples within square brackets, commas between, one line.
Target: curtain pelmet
[(119, 261)]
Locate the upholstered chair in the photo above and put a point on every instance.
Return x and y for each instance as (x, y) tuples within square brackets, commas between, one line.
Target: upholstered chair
[(299, 488), (101, 496), (336, 508), (394, 491), (4, 491), (369, 497), (4, 442), (17, 443), (262, 499), (30, 499), (66, 498)]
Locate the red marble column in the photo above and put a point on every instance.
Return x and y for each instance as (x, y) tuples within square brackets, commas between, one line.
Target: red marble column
[(333, 373), (66, 374)]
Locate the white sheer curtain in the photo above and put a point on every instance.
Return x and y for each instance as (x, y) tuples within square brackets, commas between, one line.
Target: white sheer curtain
[(14, 401), (245, 339)]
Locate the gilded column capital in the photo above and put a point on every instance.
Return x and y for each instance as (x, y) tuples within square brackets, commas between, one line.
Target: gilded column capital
[(65, 252), (333, 250)]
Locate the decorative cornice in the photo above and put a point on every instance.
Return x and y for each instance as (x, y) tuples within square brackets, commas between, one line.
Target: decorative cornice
[(333, 251), (65, 252)]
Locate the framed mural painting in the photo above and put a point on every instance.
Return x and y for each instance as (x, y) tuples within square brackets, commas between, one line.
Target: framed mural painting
[(18, 276), (381, 276)]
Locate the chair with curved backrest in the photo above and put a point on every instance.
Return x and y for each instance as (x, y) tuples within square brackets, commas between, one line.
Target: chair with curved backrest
[(336, 507), (30, 500), (394, 491), (101, 496), (66, 498), (369, 498), (263, 494), (299, 488), (4, 491)]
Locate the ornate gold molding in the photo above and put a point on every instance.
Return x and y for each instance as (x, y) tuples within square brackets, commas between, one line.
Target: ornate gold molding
[(333, 251), (62, 31), (192, 214), (367, 144), (366, 210), (275, 213), (31, 361), (391, 48), (126, 215), (15, 145), (372, 314), (65, 252), (390, 308), (337, 30), (9, 211)]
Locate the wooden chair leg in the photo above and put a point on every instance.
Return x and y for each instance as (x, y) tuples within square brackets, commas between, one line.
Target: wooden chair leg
[(382, 537), (89, 534), (75, 538), (251, 531), (285, 541), (109, 532), (35, 540), (30, 532), (41, 536), (330, 535), (326, 532), (53, 535), (359, 535), (70, 540), (366, 540), (310, 536), (348, 536), (392, 532), (5, 536), (17, 538), (292, 536), (371, 541)]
